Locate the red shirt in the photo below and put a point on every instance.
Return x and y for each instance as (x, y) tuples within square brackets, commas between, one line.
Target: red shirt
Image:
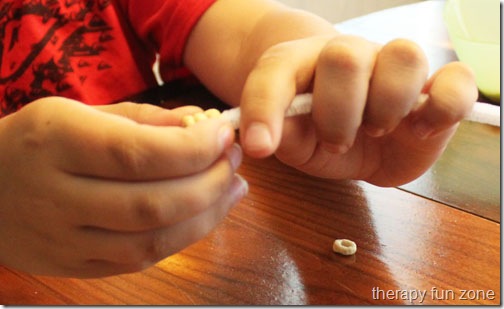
[(94, 51)]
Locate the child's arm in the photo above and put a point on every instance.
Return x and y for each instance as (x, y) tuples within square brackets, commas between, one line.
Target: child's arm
[(233, 35), (364, 122)]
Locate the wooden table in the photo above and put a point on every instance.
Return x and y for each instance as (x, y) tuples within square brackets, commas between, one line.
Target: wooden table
[(434, 241)]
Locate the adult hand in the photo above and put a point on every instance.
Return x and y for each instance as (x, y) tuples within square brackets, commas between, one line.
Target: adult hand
[(96, 191)]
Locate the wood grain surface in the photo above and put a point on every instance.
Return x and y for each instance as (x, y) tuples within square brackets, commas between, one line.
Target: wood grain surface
[(275, 248), (468, 174), (433, 241)]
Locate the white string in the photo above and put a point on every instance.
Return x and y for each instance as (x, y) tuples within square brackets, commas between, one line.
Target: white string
[(486, 113), (302, 104)]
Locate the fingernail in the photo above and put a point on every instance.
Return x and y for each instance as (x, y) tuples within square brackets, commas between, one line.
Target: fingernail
[(235, 156), (342, 149), (375, 131), (240, 187), (336, 148), (258, 137), (225, 135), (423, 129)]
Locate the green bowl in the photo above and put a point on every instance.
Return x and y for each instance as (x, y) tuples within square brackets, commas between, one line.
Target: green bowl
[(474, 29)]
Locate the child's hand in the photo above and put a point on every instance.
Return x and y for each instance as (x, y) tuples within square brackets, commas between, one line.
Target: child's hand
[(88, 192), (364, 123)]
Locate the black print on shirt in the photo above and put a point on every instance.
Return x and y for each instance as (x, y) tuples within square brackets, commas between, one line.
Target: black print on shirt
[(88, 37)]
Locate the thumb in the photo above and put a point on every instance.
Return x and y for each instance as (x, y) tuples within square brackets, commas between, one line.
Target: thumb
[(279, 74), (263, 106)]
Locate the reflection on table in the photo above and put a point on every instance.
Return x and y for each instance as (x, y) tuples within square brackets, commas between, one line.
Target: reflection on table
[(435, 241)]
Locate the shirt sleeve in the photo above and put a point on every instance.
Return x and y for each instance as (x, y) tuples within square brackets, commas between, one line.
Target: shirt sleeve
[(166, 26)]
